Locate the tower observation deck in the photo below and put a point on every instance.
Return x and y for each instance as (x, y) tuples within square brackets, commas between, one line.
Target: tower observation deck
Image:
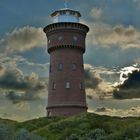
[(66, 45), (65, 15)]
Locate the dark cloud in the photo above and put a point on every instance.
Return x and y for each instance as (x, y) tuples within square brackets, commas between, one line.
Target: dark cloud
[(20, 87), (17, 97), (92, 80), (130, 88), (96, 86), (14, 79)]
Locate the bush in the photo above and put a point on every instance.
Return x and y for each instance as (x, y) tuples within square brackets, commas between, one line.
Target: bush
[(8, 133), (96, 134), (23, 134), (73, 137), (132, 133)]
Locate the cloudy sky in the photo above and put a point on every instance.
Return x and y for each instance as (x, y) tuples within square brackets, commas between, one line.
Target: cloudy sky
[(112, 58)]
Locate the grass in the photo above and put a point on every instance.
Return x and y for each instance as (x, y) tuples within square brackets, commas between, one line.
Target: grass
[(59, 128)]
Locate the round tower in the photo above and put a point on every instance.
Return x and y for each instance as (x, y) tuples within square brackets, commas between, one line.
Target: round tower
[(66, 45)]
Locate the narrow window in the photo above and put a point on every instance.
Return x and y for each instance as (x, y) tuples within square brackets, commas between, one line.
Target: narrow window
[(73, 66), (60, 66), (53, 86), (67, 85), (81, 86)]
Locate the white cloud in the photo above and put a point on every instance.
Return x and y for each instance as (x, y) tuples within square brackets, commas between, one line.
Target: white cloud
[(96, 13), (23, 39), (107, 35), (125, 72), (24, 64)]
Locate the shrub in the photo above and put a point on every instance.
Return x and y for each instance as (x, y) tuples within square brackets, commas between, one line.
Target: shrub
[(96, 134), (73, 137), (23, 134), (8, 133)]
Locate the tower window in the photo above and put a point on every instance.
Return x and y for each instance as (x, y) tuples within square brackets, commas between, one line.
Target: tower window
[(73, 66), (67, 85), (81, 86), (75, 38), (60, 66), (53, 86), (60, 38)]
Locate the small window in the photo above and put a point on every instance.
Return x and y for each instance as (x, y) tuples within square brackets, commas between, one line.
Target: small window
[(81, 86), (53, 86), (75, 38), (60, 38), (73, 66), (67, 85), (60, 66)]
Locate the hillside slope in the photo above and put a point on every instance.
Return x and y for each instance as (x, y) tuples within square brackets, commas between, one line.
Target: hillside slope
[(86, 126)]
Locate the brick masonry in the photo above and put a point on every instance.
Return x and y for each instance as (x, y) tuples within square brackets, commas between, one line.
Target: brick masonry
[(66, 45)]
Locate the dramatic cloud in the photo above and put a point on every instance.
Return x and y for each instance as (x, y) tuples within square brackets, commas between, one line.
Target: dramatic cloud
[(107, 35), (92, 80), (17, 97), (95, 85), (27, 66), (108, 74), (130, 88), (14, 79), (19, 87), (23, 39)]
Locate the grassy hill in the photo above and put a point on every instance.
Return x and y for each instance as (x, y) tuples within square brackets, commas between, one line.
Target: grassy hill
[(86, 126)]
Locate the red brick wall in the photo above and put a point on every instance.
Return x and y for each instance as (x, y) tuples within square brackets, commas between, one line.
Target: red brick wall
[(65, 111)]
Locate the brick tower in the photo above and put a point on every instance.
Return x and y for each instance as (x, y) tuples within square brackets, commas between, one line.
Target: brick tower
[(66, 45)]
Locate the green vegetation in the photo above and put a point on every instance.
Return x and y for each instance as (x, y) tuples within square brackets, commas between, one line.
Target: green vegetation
[(86, 126)]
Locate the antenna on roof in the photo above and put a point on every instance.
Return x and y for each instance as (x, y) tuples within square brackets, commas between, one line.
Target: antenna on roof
[(66, 4)]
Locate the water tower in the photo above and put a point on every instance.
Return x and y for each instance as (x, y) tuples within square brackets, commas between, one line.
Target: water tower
[(66, 46)]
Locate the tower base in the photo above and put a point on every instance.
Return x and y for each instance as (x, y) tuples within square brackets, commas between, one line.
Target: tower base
[(65, 110)]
